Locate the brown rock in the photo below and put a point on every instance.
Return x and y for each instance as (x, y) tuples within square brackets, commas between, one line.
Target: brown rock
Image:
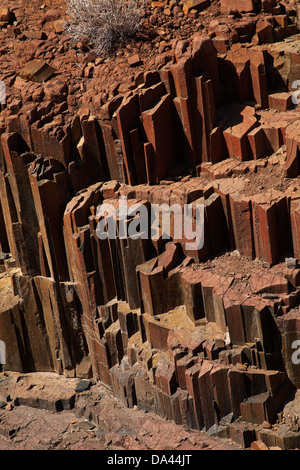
[(5, 14), (134, 60), (198, 5), (259, 445), (266, 425), (52, 15), (242, 6), (37, 71), (59, 26)]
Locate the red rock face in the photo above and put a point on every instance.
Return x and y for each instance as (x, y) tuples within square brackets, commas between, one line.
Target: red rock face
[(244, 6), (199, 335)]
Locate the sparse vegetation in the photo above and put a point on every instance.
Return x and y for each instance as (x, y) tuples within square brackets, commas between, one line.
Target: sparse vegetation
[(106, 23)]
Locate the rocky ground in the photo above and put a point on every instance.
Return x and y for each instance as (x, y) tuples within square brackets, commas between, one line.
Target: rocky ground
[(24, 427), (93, 419)]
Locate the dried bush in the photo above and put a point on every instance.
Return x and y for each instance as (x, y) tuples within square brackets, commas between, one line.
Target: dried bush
[(106, 23)]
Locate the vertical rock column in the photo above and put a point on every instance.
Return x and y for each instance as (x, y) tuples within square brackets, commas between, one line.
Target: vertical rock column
[(17, 202)]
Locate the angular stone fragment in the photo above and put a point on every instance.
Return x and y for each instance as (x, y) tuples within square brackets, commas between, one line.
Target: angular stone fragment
[(37, 71), (236, 133), (266, 210), (198, 5), (134, 60), (5, 14), (242, 6), (268, 283), (82, 386)]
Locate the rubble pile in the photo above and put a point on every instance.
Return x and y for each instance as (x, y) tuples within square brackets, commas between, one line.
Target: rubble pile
[(201, 108)]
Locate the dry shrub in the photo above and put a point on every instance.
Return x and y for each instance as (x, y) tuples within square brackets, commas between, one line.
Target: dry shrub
[(106, 23)]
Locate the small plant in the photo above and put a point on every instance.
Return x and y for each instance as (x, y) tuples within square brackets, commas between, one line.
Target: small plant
[(106, 23)]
